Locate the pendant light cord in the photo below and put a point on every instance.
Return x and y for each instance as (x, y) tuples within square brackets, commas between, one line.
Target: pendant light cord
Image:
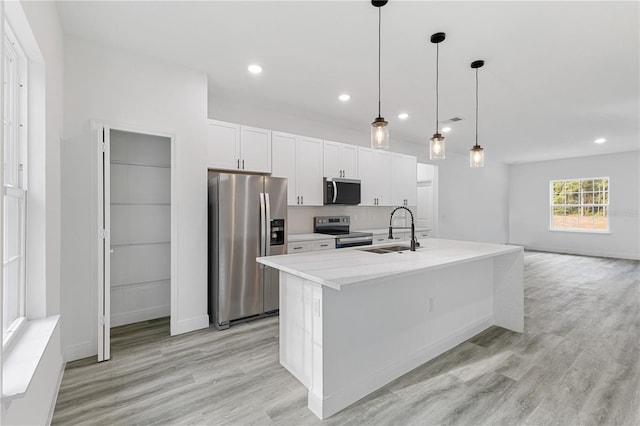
[(379, 53), (437, 77), (476, 106)]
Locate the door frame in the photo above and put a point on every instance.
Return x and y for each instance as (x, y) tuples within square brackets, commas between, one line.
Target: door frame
[(101, 137)]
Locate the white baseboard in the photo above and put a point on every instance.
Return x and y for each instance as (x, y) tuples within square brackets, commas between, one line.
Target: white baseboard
[(356, 390), (583, 252), (140, 315), (80, 350), (191, 324)]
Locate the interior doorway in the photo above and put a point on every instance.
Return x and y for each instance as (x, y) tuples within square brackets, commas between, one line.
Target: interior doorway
[(136, 226)]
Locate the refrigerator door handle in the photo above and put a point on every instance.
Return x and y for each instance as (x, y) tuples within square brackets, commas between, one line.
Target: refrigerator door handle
[(263, 228), (335, 191), (267, 225)]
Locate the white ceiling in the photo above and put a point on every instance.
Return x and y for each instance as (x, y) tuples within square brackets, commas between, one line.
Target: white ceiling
[(557, 75)]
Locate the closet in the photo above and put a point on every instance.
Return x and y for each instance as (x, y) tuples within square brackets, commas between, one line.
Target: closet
[(140, 226)]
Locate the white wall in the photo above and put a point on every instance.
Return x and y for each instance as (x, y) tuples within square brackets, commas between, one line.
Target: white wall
[(46, 43), (138, 92), (472, 202), (529, 205)]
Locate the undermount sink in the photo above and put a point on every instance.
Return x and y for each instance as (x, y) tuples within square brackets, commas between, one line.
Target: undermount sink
[(387, 249)]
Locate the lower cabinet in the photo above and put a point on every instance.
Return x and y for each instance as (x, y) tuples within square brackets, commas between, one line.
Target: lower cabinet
[(312, 245)]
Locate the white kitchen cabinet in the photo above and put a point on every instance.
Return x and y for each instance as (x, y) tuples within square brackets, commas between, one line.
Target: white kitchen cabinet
[(299, 159), (403, 180), (374, 170), (312, 245), (340, 160), (236, 147)]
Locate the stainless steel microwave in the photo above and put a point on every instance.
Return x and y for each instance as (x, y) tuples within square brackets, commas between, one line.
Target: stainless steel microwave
[(341, 191)]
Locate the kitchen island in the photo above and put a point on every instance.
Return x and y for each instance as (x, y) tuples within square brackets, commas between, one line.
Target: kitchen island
[(352, 320)]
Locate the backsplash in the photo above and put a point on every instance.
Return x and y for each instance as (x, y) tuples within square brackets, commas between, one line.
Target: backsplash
[(301, 218)]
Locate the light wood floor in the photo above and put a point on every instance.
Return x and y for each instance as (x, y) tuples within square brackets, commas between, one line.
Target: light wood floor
[(576, 363)]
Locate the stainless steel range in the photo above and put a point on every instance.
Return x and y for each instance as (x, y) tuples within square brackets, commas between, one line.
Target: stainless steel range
[(338, 226)]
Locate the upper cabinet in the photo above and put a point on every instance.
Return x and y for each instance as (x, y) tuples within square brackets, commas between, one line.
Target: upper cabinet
[(299, 159), (403, 180), (236, 147), (340, 160), (374, 169)]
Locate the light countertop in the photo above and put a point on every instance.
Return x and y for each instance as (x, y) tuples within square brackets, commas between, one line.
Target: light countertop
[(377, 231), (296, 238), (346, 267)]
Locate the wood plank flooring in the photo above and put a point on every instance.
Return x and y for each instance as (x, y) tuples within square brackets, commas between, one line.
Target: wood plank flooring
[(577, 363)]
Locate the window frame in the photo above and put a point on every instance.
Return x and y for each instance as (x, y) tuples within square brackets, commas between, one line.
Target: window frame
[(580, 204), (16, 188)]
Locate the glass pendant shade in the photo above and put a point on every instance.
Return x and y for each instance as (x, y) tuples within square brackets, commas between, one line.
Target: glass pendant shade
[(437, 147), (380, 134), (476, 156)]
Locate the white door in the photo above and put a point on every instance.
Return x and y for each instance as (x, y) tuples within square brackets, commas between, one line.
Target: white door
[(283, 163), (255, 148), (135, 220), (104, 243), (223, 145), (425, 205), (309, 171), (331, 158), (349, 161)]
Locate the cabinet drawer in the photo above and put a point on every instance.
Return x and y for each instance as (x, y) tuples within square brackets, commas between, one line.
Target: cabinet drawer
[(423, 234), (299, 247), (323, 245)]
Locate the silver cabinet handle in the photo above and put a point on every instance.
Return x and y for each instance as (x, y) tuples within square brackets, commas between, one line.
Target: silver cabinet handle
[(242, 164), (298, 248), (238, 164), (324, 245), (302, 199), (298, 199)]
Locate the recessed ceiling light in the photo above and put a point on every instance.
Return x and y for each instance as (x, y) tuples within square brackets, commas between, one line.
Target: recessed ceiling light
[(344, 97), (403, 116), (254, 69), (600, 140), (446, 129)]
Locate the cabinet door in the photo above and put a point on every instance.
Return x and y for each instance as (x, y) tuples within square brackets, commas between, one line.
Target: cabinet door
[(283, 164), (309, 170), (255, 149), (403, 180), (412, 180), (349, 160), (367, 177), (382, 177), (223, 145), (331, 159)]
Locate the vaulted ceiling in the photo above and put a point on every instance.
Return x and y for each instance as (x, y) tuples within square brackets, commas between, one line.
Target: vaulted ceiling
[(558, 75)]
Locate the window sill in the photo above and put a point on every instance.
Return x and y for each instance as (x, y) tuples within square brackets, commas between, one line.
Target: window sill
[(581, 231), (21, 361)]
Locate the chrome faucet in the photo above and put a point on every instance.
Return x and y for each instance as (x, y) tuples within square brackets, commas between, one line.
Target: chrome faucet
[(414, 242)]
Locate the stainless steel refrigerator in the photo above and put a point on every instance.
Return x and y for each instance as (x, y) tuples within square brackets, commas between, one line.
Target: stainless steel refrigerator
[(247, 219)]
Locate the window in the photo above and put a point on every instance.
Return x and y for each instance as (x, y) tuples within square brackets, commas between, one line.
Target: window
[(14, 187), (580, 204)]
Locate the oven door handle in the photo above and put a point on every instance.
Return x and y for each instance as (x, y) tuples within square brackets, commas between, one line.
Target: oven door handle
[(353, 240)]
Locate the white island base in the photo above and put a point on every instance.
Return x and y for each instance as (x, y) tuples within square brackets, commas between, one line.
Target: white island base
[(352, 321)]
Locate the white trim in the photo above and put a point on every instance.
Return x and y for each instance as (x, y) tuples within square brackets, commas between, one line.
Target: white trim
[(21, 362), (132, 128), (191, 324), (52, 407)]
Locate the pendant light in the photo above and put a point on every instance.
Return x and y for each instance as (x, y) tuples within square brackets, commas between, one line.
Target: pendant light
[(436, 144), (476, 156), (379, 127)]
